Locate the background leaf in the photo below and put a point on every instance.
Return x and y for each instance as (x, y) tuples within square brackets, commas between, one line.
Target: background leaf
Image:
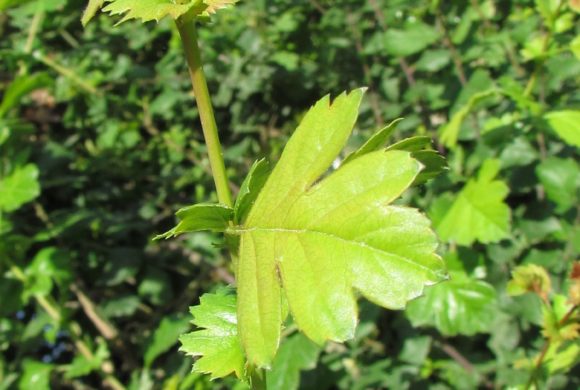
[(459, 306), (20, 187), (479, 212)]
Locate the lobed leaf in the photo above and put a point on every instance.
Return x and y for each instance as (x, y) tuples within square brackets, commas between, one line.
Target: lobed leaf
[(218, 344), (460, 306), (313, 242), (479, 212), (148, 10)]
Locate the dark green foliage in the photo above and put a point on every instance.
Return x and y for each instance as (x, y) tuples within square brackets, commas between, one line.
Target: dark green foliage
[(100, 145)]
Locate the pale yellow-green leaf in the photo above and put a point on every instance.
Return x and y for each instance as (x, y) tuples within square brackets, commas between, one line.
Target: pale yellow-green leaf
[(92, 8), (147, 10), (314, 242), (566, 124)]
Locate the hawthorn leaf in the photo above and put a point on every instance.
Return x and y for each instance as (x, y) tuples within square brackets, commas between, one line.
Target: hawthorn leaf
[(566, 124), (314, 241), (215, 5), (217, 345), (433, 162), (203, 216), (20, 187), (250, 189), (296, 354), (479, 212), (92, 8), (376, 142), (148, 10), (461, 305)]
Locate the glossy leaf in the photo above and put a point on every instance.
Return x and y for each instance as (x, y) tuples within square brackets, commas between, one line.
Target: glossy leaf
[(479, 212), (20, 187), (199, 217), (566, 124), (461, 305), (321, 240), (217, 344)]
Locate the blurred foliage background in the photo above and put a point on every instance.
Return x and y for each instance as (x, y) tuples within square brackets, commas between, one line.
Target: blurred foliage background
[(100, 144)]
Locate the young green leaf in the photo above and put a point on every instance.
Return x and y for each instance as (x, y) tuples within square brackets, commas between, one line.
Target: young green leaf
[(433, 162), (449, 133), (376, 142), (566, 124), (250, 189), (218, 343), (148, 10), (479, 212), (92, 8), (203, 216), (459, 306), (529, 278), (19, 188), (316, 241)]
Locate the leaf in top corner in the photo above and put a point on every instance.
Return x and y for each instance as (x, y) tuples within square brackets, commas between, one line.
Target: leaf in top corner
[(479, 212), (312, 242), (217, 344), (148, 10), (215, 5), (92, 8)]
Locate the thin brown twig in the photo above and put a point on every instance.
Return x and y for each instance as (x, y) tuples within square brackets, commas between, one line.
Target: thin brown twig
[(453, 353)]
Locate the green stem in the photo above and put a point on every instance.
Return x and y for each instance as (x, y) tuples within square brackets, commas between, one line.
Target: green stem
[(188, 33), (258, 379)]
